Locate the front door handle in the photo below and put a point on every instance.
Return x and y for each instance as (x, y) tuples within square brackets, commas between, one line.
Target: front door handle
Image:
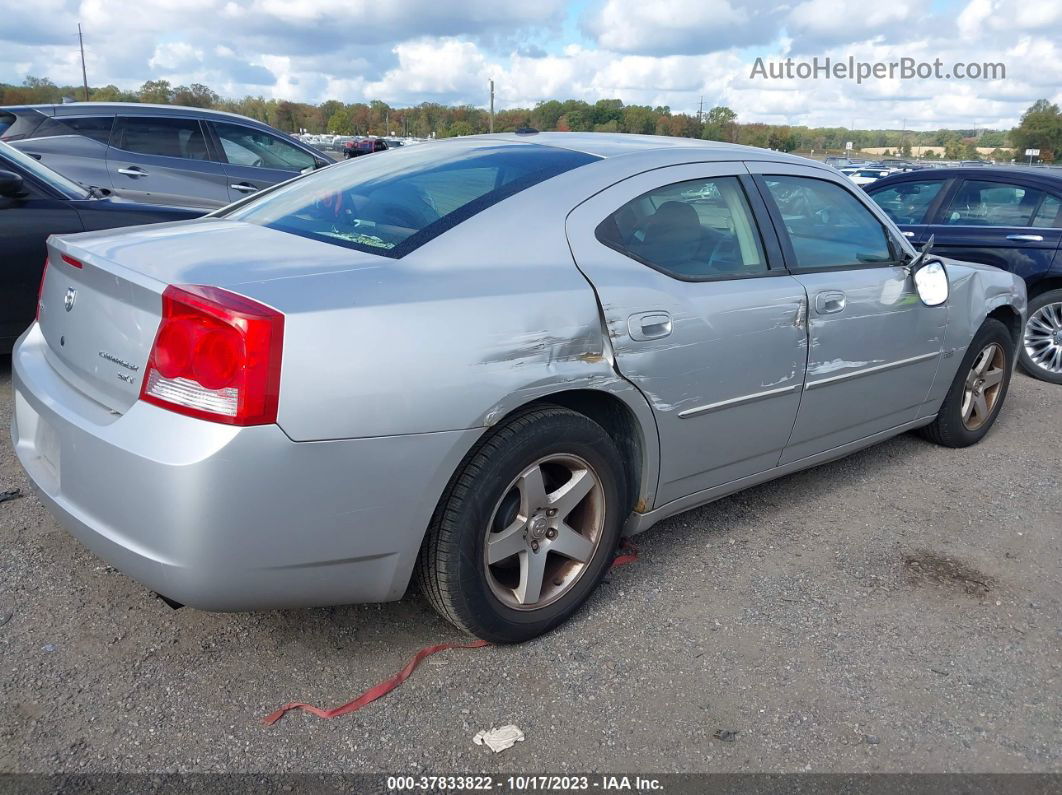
[(1027, 238), (908, 234), (649, 325), (829, 302), (133, 171), (244, 187)]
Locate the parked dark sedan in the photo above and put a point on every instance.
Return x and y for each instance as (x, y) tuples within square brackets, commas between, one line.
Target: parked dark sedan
[(1007, 217), (36, 202), (365, 146)]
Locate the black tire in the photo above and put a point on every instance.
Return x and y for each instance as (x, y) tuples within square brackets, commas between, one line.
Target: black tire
[(1024, 359), (452, 570), (949, 429)]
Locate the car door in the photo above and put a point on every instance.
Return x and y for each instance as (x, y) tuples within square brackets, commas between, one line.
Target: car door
[(256, 159), (1006, 222), (75, 146), (702, 317), (165, 160), (25, 223), (874, 346), (911, 203)]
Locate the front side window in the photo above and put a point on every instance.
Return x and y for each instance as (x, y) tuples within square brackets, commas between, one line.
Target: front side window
[(165, 137), (696, 230), (828, 226), (246, 146), (1050, 213), (979, 203), (907, 202), (397, 202)]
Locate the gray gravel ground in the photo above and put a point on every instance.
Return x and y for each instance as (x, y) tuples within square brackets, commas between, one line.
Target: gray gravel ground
[(895, 611)]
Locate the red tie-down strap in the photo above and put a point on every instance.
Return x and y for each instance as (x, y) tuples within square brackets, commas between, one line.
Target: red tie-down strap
[(627, 553)]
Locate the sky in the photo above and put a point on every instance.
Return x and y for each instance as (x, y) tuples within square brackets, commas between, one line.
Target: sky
[(655, 52)]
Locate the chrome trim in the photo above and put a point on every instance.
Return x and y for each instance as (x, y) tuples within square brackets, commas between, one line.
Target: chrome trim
[(696, 412), (868, 370)]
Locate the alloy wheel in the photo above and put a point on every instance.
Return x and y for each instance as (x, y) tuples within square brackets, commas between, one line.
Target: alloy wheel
[(544, 532), (1043, 338), (984, 383)]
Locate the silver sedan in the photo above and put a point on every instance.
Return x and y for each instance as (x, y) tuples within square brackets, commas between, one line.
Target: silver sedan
[(481, 362)]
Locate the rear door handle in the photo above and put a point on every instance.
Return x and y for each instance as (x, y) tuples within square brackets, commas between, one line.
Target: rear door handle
[(908, 234), (1027, 238), (133, 171), (649, 325), (244, 187), (828, 302)]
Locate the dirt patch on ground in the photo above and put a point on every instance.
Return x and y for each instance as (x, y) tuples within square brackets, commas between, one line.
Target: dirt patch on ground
[(927, 567)]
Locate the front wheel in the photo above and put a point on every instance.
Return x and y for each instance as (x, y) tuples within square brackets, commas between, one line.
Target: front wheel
[(527, 528), (977, 393), (1041, 351)]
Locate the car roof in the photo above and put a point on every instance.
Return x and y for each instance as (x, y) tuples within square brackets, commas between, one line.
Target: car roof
[(129, 109), (610, 145), (997, 172)]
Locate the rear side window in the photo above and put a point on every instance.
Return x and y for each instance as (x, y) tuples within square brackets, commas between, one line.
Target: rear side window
[(828, 226), (697, 230), (395, 202), (164, 137), (907, 202), (15, 125), (979, 203), (98, 128)]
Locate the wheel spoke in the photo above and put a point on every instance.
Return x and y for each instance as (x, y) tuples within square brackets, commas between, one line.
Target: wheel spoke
[(509, 542), (980, 407), (993, 377), (571, 544), (532, 491), (567, 497), (967, 405), (532, 573), (983, 361)]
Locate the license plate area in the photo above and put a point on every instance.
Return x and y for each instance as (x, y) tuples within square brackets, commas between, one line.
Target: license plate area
[(47, 445)]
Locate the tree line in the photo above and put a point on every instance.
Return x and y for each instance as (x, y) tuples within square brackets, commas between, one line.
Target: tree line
[(1040, 127)]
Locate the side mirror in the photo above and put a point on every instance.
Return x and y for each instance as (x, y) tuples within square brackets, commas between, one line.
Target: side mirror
[(11, 184), (930, 276)]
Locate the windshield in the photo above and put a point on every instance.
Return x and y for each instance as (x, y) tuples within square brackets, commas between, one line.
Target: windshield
[(41, 172), (398, 200)]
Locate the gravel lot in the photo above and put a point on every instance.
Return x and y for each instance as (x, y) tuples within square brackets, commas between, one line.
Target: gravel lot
[(895, 611)]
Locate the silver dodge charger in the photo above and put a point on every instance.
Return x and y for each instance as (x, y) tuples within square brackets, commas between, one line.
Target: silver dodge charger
[(481, 362)]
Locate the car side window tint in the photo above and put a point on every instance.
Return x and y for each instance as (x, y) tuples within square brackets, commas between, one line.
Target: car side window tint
[(1049, 216), (98, 128), (828, 226), (246, 146), (166, 137), (979, 203), (701, 229), (907, 202)]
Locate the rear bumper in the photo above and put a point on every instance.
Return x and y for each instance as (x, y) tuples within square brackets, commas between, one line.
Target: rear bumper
[(225, 518)]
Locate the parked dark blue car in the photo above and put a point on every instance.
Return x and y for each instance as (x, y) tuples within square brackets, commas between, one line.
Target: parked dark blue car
[(36, 202), (1007, 217)]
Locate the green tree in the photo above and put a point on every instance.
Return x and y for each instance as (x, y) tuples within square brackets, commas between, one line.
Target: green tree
[(156, 91), (719, 124), (195, 96), (1040, 128)]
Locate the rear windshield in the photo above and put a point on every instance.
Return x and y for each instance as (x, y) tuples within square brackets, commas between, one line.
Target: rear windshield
[(398, 200)]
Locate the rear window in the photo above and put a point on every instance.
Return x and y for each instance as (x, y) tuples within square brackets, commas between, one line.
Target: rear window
[(17, 125), (397, 201)]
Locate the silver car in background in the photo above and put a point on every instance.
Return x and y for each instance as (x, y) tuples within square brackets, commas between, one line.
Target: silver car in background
[(482, 361), (158, 154)]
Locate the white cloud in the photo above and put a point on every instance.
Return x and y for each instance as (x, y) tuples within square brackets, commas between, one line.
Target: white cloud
[(669, 52)]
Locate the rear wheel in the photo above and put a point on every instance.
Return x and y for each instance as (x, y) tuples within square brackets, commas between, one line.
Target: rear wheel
[(1041, 351), (977, 393), (527, 528)]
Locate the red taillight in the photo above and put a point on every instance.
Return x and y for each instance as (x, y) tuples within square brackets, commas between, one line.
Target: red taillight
[(216, 356), (40, 290), (72, 262)]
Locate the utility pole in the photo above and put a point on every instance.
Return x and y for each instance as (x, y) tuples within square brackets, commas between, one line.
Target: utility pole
[(700, 111), (492, 104), (84, 74)]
